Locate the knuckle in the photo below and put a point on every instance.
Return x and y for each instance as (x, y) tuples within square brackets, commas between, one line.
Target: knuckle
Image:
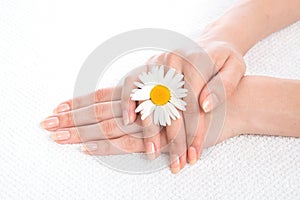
[(172, 135), (129, 143), (229, 87), (190, 139), (129, 79), (100, 95), (152, 60), (241, 66), (108, 127), (131, 105), (160, 60), (75, 132), (128, 82), (76, 103), (194, 140), (99, 110), (173, 61), (191, 107), (67, 119), (106, 146)]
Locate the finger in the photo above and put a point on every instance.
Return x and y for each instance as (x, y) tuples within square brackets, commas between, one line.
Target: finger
[(128, 106), (175, 132), (194, 78), (84, 116), (177, 144), (195, 137), (101, 95), (151, 138), (192, 122), (123, 145), (108, 129), (223, 84)]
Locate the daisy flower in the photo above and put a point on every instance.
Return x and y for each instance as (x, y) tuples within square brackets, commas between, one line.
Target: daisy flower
[(161, 95)]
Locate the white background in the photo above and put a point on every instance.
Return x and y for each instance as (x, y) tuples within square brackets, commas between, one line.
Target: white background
[(42, 46)]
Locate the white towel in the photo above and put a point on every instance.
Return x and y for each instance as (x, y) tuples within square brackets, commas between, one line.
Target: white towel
[(42, 46)]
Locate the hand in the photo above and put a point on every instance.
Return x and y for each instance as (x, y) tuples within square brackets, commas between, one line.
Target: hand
[(96, 121), (230, 68), (226, 62)]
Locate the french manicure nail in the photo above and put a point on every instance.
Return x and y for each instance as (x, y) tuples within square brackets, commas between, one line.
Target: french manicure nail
[(175, 170), (63, 108), (175, 164), (150, 150), (125, 118), (60, 135), (50, 122), (210, 101), (192, 155), (89, 147)]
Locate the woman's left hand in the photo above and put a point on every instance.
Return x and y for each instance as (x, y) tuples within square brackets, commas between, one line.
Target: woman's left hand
[(98, 125)]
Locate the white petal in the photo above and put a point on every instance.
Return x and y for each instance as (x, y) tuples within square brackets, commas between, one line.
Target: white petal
[(144, 77), (175, 81), (178, 77), (142, 94), (169, 76), (167, 116), (180, 84), (178, 103), (138, 84), (169, 111), (156, 115), (161, 117), (142, 106), (182, 95), (181, 92), (133, 91), (148, 109), (161, 74), (174, 111), (154, 69)]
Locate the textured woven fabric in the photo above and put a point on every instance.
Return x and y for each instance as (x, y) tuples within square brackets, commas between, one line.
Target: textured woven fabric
[(42, 46)]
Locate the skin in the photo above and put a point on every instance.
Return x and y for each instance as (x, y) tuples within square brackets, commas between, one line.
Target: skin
[(257, 19), (260, 105)]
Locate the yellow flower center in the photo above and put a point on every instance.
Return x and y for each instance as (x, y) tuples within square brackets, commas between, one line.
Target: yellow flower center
[(160, 95)]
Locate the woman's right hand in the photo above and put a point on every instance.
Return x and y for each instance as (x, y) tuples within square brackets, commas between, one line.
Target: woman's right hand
[(219, 66)]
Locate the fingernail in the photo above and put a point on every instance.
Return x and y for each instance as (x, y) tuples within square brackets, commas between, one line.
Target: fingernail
[(150, 150), (175, 164), (60, 135), (62, 108), (125, 118), (89, 147), (50, 122), (192, 155), (209, 102)]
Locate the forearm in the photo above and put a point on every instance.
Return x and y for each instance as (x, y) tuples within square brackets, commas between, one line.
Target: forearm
[(269, 106), (248, 21)]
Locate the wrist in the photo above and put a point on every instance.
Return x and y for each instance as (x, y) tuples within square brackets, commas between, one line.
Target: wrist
[(224, 31), (265, 105), (239, 107), (242, 33)]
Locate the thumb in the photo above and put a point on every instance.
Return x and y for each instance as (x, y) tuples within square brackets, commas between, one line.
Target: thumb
[(222, 85)]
